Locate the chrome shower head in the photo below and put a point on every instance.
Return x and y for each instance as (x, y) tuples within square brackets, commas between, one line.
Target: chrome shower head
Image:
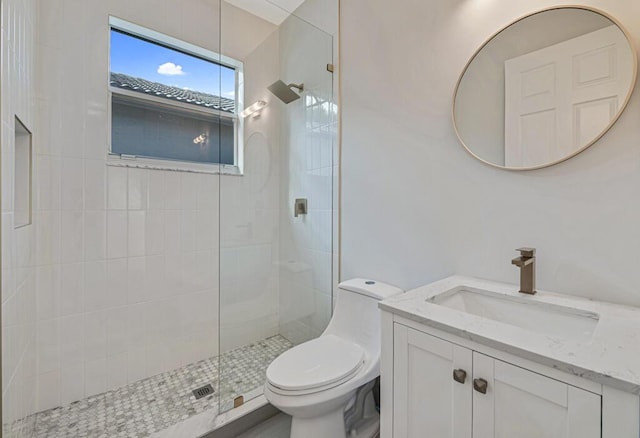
[(284, 92)]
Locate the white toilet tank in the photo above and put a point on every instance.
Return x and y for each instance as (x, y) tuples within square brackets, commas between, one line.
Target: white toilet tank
[(356, 315)]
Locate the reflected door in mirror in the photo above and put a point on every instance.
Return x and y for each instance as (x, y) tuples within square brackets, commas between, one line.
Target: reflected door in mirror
[(561, 97)]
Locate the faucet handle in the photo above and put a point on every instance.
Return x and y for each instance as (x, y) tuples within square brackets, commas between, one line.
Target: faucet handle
[(527, 252)]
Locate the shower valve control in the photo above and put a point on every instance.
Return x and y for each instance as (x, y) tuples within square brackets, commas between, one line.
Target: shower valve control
[(300, 207)]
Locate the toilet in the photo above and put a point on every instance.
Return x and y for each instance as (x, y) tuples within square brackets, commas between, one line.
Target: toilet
[(316, 381)]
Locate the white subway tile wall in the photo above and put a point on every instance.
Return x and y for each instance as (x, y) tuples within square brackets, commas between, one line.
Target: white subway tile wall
[(124, 275), (19, 274)]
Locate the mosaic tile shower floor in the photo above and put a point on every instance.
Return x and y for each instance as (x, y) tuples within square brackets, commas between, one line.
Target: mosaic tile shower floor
[(153, 404)]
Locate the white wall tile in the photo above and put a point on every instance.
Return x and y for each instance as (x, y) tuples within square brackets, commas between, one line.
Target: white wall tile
[(8, 237), (19, 282), (206, 230), (156, 195), (48, 389), (49, 121), (189, 191), (72, 236), (117, 370), (156, 285), (96, 377), (48, 174), (172, 190), (154, 236), (137, 234), (95, 185), (50, 15), (188, 231), (136, 364), (172, 232), (117, 239), (95, 335), (48, 347), (72, 187), (207, 192), (70, 330), (190, 272), (47, 292), (95, 235), (136, 280), (95, 290), (117, 279), (137, 183), (96, 121), (137, 328), (73, 115), (116, 188), (72, 379), (173, 274), (117, 320), (48, 237), (7, 166), (72, 297), (158, 359)]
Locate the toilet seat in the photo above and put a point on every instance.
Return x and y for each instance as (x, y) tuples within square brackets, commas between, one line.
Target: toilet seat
[(316, 365)]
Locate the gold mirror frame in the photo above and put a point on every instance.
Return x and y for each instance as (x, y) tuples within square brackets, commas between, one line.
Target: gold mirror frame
[(634, 54)]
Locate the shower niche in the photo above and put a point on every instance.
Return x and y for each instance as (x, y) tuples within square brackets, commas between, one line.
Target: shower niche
[(23, 175)]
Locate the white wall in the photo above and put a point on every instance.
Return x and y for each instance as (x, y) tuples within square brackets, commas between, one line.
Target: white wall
[(416, 207), (127, 276), (18, 271)]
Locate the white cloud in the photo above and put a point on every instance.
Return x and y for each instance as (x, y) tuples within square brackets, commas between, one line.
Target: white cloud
[(229, 94), (170, 69)]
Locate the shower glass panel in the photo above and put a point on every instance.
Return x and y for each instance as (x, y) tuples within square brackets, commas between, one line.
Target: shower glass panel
[(276, 251)]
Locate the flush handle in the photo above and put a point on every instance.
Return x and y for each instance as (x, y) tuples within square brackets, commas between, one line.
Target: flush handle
[(459, 376), (480, 385)]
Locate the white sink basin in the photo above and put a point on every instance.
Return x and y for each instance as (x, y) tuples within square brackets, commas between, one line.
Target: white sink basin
[(523, 312)]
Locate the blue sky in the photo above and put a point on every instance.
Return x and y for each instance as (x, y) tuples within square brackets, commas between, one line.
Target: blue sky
[(139, 58)]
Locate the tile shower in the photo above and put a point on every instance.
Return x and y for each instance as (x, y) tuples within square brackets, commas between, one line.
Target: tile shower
[(137, 284)]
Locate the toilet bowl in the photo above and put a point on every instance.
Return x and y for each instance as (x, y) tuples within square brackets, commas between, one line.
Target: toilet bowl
[(316, 381)]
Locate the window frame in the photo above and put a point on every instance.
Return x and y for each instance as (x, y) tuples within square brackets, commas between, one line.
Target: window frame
[(115, 159)]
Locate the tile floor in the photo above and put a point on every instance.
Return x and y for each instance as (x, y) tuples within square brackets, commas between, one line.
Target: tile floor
[(278, 426), (153, 404)]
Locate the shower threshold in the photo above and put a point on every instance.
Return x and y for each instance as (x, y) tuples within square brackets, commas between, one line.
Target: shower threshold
[(156, 403)]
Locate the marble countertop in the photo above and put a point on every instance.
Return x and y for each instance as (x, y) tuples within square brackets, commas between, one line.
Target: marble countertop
[(610, 357)]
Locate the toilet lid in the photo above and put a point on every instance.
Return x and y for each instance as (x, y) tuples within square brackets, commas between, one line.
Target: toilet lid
[(316, 363)]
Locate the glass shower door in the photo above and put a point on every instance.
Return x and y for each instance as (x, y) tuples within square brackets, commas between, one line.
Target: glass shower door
[(275, 259)]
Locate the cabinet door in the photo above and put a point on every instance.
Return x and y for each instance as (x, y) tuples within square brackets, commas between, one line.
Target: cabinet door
[(427, 401), (524, 404)]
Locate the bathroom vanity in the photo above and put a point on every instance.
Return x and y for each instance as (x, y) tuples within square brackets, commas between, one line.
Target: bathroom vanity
[(464, 357)]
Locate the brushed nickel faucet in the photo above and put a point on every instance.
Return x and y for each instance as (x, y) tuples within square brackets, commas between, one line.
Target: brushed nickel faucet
[(527, 264)]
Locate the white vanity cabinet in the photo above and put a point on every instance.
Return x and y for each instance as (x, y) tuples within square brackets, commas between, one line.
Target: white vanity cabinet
[(444, 390), (469, 358)]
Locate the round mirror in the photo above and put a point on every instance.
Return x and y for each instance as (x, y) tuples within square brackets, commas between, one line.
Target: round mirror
[(544, 88)]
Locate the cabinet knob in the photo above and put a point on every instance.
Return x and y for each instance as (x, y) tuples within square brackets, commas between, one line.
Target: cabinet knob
[(480, 385), (459, 376)]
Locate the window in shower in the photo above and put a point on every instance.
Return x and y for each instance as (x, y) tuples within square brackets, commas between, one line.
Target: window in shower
[(173, 103)]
